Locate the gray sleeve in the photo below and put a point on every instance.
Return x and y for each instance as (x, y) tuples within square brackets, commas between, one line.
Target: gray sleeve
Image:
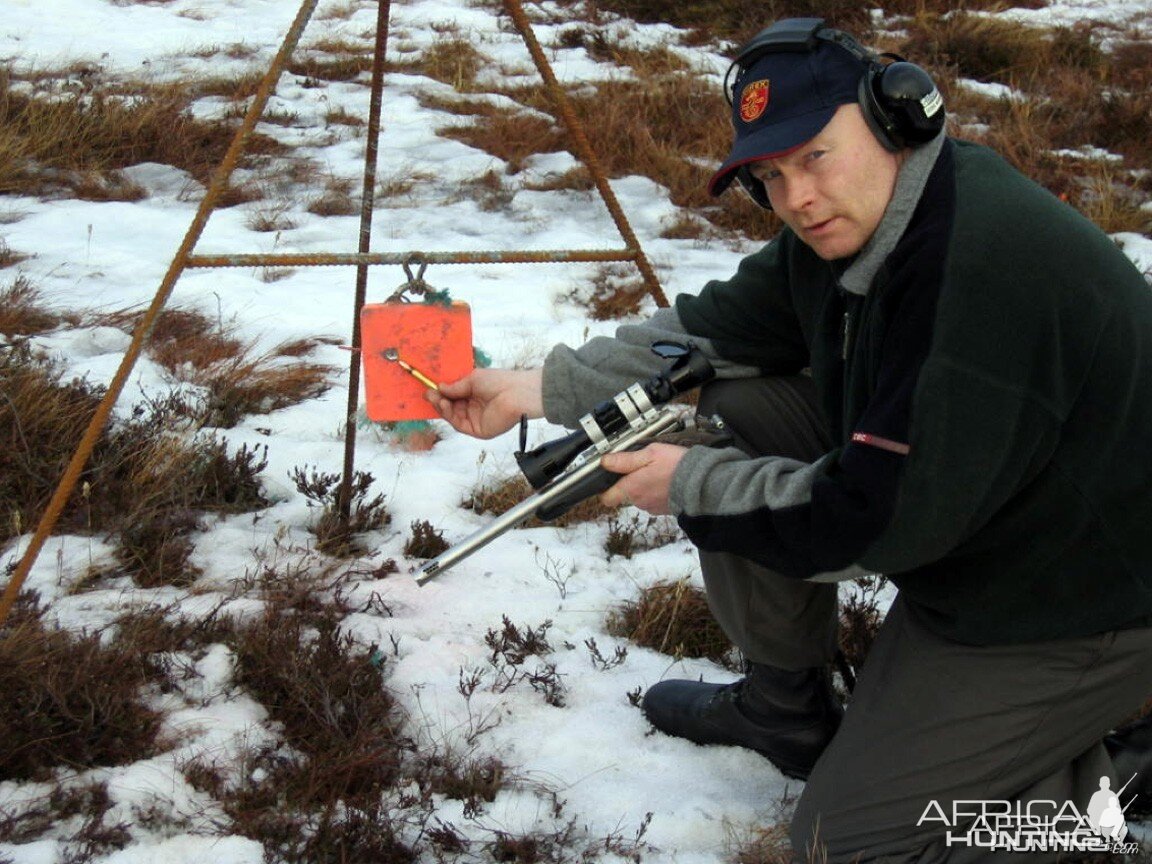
[(730, 482), (576, 380)]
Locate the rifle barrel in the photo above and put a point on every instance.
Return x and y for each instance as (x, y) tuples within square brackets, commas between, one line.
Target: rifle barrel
[(664, 420)]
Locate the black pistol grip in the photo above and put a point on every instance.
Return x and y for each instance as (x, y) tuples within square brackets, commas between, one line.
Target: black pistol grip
[(598, 481), (602, 479)]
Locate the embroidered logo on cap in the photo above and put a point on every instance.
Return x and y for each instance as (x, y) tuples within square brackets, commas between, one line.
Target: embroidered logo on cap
[(754, 100)]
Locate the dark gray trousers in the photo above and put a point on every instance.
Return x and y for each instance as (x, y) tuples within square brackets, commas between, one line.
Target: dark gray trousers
[(930, 720)]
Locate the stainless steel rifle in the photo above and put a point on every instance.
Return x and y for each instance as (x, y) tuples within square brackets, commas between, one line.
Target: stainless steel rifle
[(567, 470)]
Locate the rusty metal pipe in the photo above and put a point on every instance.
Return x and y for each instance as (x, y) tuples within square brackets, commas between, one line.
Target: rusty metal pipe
[(367, 204), (584, 149), (354, 259)]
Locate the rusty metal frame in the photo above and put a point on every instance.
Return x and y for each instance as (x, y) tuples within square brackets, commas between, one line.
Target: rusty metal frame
[(362, 259)]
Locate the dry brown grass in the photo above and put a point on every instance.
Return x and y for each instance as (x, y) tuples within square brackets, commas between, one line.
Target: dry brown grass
[(105, 186), (249, 384), (649, 125), (507, 134), (343, 117), (8, 256), (672, 617), (1025, 131), (451, 59), (401, 184), (337, 199), (488, 191), (860, 620), (577, 179), (669, 124), (146, 484), (709, 20), (766, 845), (325, 692), (194, 349), (340, 67), (667, 127), (269, 216), (336, 533), (1102, 195), (83, 808), (501, 496), (1070, 95), (77, 702), (53, 138), (656, 127), (609, 47), (640, 533), (614, 292), (1131, 63), (426, 540), (70, 701), (41, 422), (686, 225), (322, 789), (22, 312), (993, 49), (235, 88)]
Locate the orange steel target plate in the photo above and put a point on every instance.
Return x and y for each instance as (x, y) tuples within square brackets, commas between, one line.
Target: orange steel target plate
[(434, 339)]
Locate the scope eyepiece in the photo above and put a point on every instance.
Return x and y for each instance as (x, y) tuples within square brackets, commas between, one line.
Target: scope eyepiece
[(628, 409)]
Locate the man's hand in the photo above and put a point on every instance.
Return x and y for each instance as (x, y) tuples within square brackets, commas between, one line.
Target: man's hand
[(647, 477), (489, 402)]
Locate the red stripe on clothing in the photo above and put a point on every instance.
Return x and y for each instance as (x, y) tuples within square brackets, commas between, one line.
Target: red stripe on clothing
[(882, 443)]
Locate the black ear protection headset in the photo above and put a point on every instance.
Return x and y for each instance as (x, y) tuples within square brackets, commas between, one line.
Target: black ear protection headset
[(899, 100)]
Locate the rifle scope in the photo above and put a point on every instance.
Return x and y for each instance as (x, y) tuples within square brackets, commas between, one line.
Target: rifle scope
[(628, 409)]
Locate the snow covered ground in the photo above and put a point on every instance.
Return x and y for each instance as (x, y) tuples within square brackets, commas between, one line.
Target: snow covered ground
[(597, 752)]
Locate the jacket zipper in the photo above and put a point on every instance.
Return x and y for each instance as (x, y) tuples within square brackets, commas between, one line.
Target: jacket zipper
[(846, 334)]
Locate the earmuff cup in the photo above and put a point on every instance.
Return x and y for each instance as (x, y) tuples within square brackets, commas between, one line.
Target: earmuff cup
[(901, 104)]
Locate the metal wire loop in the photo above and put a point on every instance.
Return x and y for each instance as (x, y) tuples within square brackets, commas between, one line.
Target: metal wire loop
[(415, 284)]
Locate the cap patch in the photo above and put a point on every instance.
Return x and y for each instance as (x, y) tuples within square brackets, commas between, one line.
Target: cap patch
[(754, 100)]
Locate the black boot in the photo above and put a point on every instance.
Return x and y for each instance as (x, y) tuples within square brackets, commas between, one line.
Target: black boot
[(1131, 750), (789, 717)]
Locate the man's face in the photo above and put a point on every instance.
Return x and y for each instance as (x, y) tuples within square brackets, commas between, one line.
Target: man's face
[(833, 190)]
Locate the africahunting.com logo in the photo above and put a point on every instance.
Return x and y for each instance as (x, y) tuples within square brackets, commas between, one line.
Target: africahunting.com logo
[(1036, 826)]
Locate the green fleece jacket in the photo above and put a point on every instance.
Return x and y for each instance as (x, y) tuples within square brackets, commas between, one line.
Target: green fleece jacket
[(991, 393)]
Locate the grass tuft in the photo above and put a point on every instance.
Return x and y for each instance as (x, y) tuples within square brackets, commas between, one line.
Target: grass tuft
[(326, 694), (978, 46), (426, 541), (766, 845), (628, 537), (672, 617), (503, 495), (22, 311), (335, 534), (337, 199), (860, 619), (55, 139), (145, 483), (8, 256), (71, 702), (331, 67), (614, 292), (235, 381), (322, 791), (507, 134), (451, 59), (82, 811)]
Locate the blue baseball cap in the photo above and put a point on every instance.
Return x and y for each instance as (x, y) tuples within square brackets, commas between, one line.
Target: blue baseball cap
[(783, 99)]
